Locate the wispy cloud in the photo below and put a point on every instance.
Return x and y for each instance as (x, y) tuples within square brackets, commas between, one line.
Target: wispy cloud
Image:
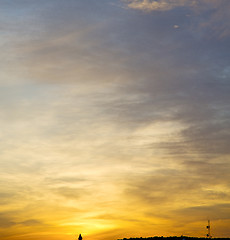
[(157, 5), (119, 117), (211, 13)]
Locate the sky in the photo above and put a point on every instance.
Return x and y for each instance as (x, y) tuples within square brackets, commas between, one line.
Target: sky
[(114, 118)]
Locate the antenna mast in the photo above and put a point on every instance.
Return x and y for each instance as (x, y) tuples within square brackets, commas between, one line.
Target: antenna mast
[(209, 230)]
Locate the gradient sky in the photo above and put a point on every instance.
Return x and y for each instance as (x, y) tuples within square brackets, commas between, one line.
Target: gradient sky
[(114, 118)]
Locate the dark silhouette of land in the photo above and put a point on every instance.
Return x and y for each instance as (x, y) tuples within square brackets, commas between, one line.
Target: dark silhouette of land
[(174, 238)]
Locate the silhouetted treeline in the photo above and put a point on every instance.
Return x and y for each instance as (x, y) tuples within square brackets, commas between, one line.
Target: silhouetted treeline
[(174, 238)]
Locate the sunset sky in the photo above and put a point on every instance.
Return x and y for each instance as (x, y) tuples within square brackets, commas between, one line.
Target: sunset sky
[(114, 118)]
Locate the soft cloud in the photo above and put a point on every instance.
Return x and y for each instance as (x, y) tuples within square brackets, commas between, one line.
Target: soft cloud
[(6, 221), (31, 222), (158, 5), (112, 118), (166, 5), (211, 13)]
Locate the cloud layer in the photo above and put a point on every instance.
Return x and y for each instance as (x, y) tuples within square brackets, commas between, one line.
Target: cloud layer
[(156, 5), (114, 122)]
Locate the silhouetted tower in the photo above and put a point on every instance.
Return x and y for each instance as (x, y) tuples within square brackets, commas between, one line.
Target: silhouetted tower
[(209, 230), (80, 237)]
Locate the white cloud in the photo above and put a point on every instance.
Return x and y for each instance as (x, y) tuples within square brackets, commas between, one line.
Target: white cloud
[(160, 5), (212, 22)]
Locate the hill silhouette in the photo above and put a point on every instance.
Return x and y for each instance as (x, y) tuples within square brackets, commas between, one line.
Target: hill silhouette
[(173, 238)]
